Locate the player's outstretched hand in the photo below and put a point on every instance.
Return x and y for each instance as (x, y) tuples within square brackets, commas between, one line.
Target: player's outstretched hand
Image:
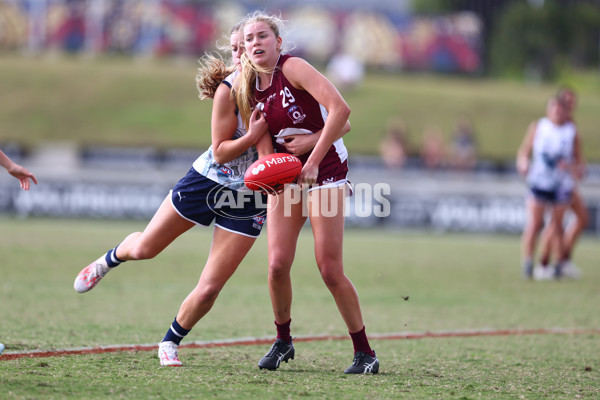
[(23, 175)]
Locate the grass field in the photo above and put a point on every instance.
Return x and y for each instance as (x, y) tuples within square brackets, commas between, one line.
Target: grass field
[(406, 282), (127, 102)]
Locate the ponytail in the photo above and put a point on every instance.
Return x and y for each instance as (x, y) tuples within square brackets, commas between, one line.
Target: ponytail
[(211, 73)]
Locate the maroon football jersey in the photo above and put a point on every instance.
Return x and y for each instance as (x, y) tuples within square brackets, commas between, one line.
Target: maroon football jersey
[(291, 111)]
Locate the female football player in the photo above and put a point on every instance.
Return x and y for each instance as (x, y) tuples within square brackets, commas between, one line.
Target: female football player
[(568, 98), (553, 144), (221, 168), (297, 100)]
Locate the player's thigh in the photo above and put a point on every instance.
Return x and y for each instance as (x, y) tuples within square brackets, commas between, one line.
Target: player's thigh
[(326, 211), (284, 223), (535, 211), (227, 251), (578, 205), (164, 227), (558, 213)]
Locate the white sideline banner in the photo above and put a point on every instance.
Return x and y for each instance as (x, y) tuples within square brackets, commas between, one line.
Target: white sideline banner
[(440, 213)]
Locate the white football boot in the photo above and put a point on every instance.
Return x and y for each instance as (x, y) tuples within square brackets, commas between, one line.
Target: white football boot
[(541, 273), (89, 277), (570, 270), (167, 353)]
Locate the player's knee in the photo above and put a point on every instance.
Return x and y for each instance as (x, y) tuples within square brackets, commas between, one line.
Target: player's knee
[(279, 268), (331, 272), (208, 292), (332, 280), (536, 226)]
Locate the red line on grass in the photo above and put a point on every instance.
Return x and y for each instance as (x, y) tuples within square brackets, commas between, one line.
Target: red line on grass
[(260, 341)]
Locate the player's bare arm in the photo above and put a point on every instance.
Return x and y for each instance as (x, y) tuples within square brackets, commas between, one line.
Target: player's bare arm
[(525, 149), (304, 76), (579, 167), (224, 124)]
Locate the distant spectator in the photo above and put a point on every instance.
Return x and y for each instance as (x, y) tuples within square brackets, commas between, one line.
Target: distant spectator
[(433, 152), (464, 147), (394, 146), (18, 171)]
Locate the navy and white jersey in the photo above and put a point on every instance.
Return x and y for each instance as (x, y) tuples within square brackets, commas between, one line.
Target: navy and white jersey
[(552, 150), (229, 174)]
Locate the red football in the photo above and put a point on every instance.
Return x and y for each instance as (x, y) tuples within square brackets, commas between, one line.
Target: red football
[(272, 172)]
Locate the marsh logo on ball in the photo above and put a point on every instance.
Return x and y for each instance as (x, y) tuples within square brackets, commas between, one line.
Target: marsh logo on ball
[(257, 170)]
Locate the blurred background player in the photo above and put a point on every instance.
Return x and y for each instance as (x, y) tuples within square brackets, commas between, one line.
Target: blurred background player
[(18, 171), (294, 97), (551, 142), (568, 98), (188, 204)]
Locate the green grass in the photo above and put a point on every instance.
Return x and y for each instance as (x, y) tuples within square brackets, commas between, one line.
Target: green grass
[(125, 102), (454, 282), (552, 367)]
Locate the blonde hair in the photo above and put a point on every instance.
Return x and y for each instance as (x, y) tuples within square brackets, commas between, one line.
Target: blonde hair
[(247, 81), (211, 73), (213, 69)]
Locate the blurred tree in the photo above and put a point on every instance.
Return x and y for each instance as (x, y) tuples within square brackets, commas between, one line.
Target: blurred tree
[(536, 37), (584, 35), (539, 40), (436, 6)]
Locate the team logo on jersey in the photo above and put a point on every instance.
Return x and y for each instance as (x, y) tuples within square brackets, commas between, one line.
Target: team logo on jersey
[(226, 170), (296, 114)]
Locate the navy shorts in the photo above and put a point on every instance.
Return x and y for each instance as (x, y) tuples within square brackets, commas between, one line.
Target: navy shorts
[(551, 196), (201, 200)]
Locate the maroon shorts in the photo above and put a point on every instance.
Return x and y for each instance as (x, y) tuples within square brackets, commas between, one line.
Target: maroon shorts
[(331, 169)]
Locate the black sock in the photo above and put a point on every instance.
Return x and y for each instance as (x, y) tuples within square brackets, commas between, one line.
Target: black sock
[(111, 258), (175, 333)]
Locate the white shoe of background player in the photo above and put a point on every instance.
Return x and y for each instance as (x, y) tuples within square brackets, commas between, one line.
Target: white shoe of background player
[(570, 270), (167, 353), (541, 273)]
